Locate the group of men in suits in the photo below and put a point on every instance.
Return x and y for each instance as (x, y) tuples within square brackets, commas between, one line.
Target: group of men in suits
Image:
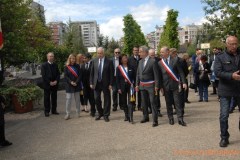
[(152, 75)]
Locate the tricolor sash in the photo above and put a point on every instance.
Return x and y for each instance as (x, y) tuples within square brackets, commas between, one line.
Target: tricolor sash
[(146, 83), (73, 71), (126, 77), (169, 71)]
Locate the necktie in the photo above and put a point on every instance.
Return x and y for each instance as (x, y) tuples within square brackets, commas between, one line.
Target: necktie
[(86, 66), (100, 71), (166, 60)]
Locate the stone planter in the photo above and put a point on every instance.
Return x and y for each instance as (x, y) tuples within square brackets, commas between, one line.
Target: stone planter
[(18, 108)]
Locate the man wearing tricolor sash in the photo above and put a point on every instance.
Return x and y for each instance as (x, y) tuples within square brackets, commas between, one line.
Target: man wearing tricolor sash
[(172, 77), (147, 81)]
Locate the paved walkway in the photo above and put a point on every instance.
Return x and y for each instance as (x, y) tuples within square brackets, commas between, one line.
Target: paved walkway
[(35, 137)]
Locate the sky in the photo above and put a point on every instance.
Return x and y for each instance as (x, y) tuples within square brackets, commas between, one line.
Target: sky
[(109, 13)]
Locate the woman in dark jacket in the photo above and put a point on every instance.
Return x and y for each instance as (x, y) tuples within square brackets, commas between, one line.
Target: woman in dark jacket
[(73, 76), (202, 70), (125, 77)]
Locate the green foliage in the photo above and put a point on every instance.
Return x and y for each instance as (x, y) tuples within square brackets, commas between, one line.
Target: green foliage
[(112, 45), (191, 49), (73, 38), (169, 37), (224, 17), (133, 35), (216, 43), (24, 90)]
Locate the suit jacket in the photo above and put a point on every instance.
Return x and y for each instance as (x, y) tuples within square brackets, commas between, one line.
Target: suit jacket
[(107, 72), (133, 62), (113, 61), (149, 73), (168, 82), (50, 72), (86, 74), (121, 83), (69, 77)]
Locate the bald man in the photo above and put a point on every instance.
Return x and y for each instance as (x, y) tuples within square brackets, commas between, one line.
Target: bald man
[(227, 69), (51, 76)]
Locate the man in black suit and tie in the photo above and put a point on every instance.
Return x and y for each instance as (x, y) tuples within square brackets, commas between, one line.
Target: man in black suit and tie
[(147, 81), (51, 76), (115, 96), (87, 91), (101, 80), (172, 73), (133, 62)]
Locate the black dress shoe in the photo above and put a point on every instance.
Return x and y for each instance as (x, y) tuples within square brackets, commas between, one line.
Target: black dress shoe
[(200, 100), (114, 109), (126, 119), (5, 144), (213, 93), (106, 119), (187, 101), (182, 123), (144, 120), (155, 124), (46, 114), (224, 143), (56, 113), (171, 121), (230, 111), (98, 118)]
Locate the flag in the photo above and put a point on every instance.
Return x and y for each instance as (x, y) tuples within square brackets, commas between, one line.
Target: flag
[(1, 36)]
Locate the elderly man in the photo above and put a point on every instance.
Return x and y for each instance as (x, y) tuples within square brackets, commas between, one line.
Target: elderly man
[(101, 80), (227, 69), (147, 81), (171, 71), (51, 76)]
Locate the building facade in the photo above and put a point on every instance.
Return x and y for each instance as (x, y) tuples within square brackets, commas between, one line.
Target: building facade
[(58, 29)]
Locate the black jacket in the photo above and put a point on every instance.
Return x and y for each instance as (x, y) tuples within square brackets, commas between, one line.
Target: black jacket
[(70, 77), (86, 75), (224, 67), (121, 83), (50, 72)]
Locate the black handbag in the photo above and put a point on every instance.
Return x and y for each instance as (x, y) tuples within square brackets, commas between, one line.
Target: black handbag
[(192, 85)]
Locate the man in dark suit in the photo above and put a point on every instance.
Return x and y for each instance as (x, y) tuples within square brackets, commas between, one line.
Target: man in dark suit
[(101, 80), (147, 81), (87, 91), (172, 84), (115, 96), (51, 76), (133, 62)]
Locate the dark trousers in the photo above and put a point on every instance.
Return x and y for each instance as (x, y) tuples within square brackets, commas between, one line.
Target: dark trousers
[(147, 94), (82, 99), (186, 92), (105, 111), (89, 97), (126, 104), (170, 96), (157, 100), (2, 125), (50, 98), (115, 96)]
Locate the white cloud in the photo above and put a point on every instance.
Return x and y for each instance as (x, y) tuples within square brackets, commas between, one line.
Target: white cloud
[(113, 27), (60, 10)]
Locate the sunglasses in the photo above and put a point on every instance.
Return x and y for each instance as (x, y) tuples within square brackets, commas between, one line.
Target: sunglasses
[(117, 52)]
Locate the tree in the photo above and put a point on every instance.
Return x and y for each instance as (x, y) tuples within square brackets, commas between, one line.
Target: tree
[(133, 35), (100, 40), (169, 37), (223, 17), (73, 38), (14, 16), (105, 42), (112, 45)]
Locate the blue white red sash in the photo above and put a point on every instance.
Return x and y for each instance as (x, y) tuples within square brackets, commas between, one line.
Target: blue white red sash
[(126, 77), (146, 83), (169, 71), (73, 71)]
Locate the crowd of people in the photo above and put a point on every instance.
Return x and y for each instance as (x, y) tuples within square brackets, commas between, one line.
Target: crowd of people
[(136, 82)]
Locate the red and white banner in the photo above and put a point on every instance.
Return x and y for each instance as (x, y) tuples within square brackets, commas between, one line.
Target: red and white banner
[(1, 36)]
